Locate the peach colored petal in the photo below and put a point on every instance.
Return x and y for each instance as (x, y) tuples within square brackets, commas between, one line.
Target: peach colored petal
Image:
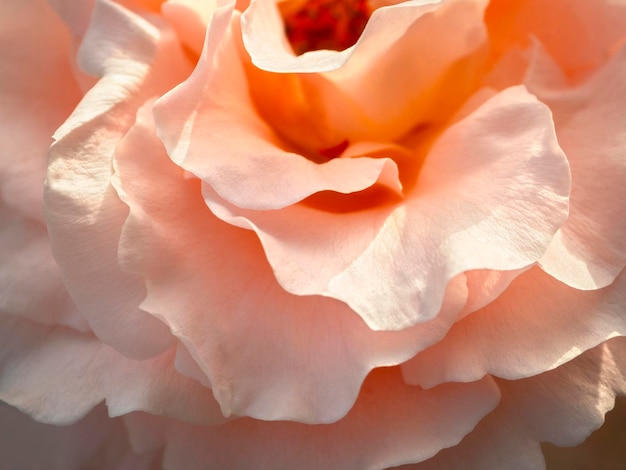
[(391, 424), (83, 212), (209, 127), (481, 202), (316, 352), (589, 251), (37, 92), (562, 406), (535, 325), (190, 19), (485, 286), (96, 439), (57, 375), (580, 34)]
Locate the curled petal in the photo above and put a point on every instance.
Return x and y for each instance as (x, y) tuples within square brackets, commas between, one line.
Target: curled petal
[(316, 351), (209, 127), (481, 202)]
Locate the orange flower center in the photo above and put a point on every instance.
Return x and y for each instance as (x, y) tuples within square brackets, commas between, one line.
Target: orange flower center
[(324, 24)]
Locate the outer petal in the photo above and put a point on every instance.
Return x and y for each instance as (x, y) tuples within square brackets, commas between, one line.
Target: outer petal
[(390, 424), (57, 376), (95, 440), (210, 127), (316, 351), (562, 406), (536, 325), (30, 280), (481, 202), (589, 251), (37, 92), (602, 449), (136, 60)]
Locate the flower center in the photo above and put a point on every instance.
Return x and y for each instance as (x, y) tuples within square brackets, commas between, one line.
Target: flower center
[(324, 24)]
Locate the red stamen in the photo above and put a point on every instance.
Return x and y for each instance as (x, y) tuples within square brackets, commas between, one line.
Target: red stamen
[(324, 24)]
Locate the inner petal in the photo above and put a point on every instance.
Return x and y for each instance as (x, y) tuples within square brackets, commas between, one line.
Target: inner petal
[(324, 24)]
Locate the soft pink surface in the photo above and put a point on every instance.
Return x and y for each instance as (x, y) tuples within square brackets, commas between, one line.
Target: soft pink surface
[(407, 252)]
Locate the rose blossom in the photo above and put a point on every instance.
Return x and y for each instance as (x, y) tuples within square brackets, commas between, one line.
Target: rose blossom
[(405, 251)]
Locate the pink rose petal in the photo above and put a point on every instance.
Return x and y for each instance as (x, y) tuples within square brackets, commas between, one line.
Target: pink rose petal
[(514, 336), (562, 406)]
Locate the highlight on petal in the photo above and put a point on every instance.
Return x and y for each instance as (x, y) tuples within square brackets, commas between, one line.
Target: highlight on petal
[(390, 424), (589, 251), (84, 214), (536, 325), (316, 351), (481, 202), (57, 376)]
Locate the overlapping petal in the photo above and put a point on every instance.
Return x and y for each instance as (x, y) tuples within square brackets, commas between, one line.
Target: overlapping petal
[(513, 337), (316, 350), (136, 60), (390, 424), (209, 127), (481, 202), (562, 406), (589, 251)]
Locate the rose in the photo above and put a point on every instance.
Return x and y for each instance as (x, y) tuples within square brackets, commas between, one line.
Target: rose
[(312, 245)]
